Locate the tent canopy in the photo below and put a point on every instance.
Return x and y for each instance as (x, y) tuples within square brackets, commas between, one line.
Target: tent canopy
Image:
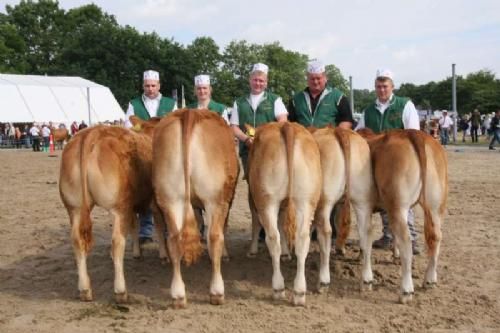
[(60, 99)]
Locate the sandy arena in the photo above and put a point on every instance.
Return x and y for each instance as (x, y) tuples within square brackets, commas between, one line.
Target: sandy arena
[(38, 278)]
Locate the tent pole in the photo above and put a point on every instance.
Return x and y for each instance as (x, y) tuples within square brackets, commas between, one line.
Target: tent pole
[(88, 103)]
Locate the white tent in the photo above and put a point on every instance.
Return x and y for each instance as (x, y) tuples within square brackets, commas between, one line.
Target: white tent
[(60, 99)]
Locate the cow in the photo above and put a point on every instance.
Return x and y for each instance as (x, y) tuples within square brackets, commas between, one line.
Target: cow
[(409, 167), (59, 135), (347, 172), (284, 174), (194, 164), (109, 167)]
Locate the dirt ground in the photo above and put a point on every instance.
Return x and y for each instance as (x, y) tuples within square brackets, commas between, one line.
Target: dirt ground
[(38, 278)]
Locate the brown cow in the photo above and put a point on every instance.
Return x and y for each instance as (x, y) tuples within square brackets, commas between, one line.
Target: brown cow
[(346, 170), (59, 136), (409, 167), (109, 167), (194, 164), (285, 174)]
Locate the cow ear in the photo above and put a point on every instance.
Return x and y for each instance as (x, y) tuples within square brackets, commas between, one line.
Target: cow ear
[(135, 120)]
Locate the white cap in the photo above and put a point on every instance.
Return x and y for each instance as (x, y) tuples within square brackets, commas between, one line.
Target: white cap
[(260, 68), (151, 75), (202, 80), (384, 72), (315, 67)]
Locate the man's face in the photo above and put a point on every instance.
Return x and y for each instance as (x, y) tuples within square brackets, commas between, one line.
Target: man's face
[(316, 82), (203, 92), (258, 82), (384, 88), (151, 88)]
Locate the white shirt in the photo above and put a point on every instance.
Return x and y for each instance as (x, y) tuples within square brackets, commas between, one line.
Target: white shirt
[(255, 100), (410, 116), (45, 131), (151, 105), (35, 131), (445, 122)]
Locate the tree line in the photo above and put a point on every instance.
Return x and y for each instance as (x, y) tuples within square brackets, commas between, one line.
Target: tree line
[(42, 39)]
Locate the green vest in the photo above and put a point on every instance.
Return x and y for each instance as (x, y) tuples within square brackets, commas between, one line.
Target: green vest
[(326, 109), (263, 115), (391, 119), (212, 106), (166, 105)]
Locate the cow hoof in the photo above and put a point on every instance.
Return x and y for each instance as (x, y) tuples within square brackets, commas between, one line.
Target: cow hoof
[(86, 295), (323, 288), (279, 295), (367, 286), (180, 303), (429, 285), (286, 258), (405, 297), (216, 299), (121, 298), (251, 255), (299, 298)]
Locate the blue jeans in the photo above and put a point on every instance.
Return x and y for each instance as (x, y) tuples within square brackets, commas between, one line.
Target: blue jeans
[(146, 224), (411, 225), (496, 137), (445, 136)]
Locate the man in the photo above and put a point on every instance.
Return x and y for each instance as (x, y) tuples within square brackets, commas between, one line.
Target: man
[(475, 122), (319, 105), (495, 129), (35, 136), (203, 91), (258, 108), (46, 137), (390, 112), (150, 104), (82, 125), (445, 122)]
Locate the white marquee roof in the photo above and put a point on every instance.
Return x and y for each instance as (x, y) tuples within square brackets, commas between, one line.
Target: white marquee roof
[(35, 98)]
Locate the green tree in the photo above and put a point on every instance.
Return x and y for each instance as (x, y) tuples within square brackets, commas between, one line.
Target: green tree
[(336, 79)]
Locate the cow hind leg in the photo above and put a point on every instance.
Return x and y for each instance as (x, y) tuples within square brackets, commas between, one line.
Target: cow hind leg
[(215, 240), (80, 253), (269, 217), (398, 221), (121, 224), (304, 216), (432, 231), (160, 228), (324, 229), (366, 235), (254, 245)]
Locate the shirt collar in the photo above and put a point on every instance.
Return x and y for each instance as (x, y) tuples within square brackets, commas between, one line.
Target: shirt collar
[(146, 98), (379, 103)]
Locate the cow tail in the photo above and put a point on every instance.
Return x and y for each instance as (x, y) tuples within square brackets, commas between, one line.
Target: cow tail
[(344, 217), (289, 226), (85, 227), (417, 139), (190, 235)]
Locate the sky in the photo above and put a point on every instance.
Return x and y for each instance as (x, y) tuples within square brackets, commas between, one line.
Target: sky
[(417, 39)]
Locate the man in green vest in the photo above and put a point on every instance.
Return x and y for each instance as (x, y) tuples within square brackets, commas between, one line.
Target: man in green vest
[(203, 91), (390, 112), (320, 105), (258, 108), (150, 104)]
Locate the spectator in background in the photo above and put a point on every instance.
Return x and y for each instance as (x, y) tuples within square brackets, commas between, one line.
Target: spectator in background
[(82, 125), (46, 137), (445, 123), (35, 136), (464, 126), (495, 129), (74, 128), (17, 133), (475, 122)]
